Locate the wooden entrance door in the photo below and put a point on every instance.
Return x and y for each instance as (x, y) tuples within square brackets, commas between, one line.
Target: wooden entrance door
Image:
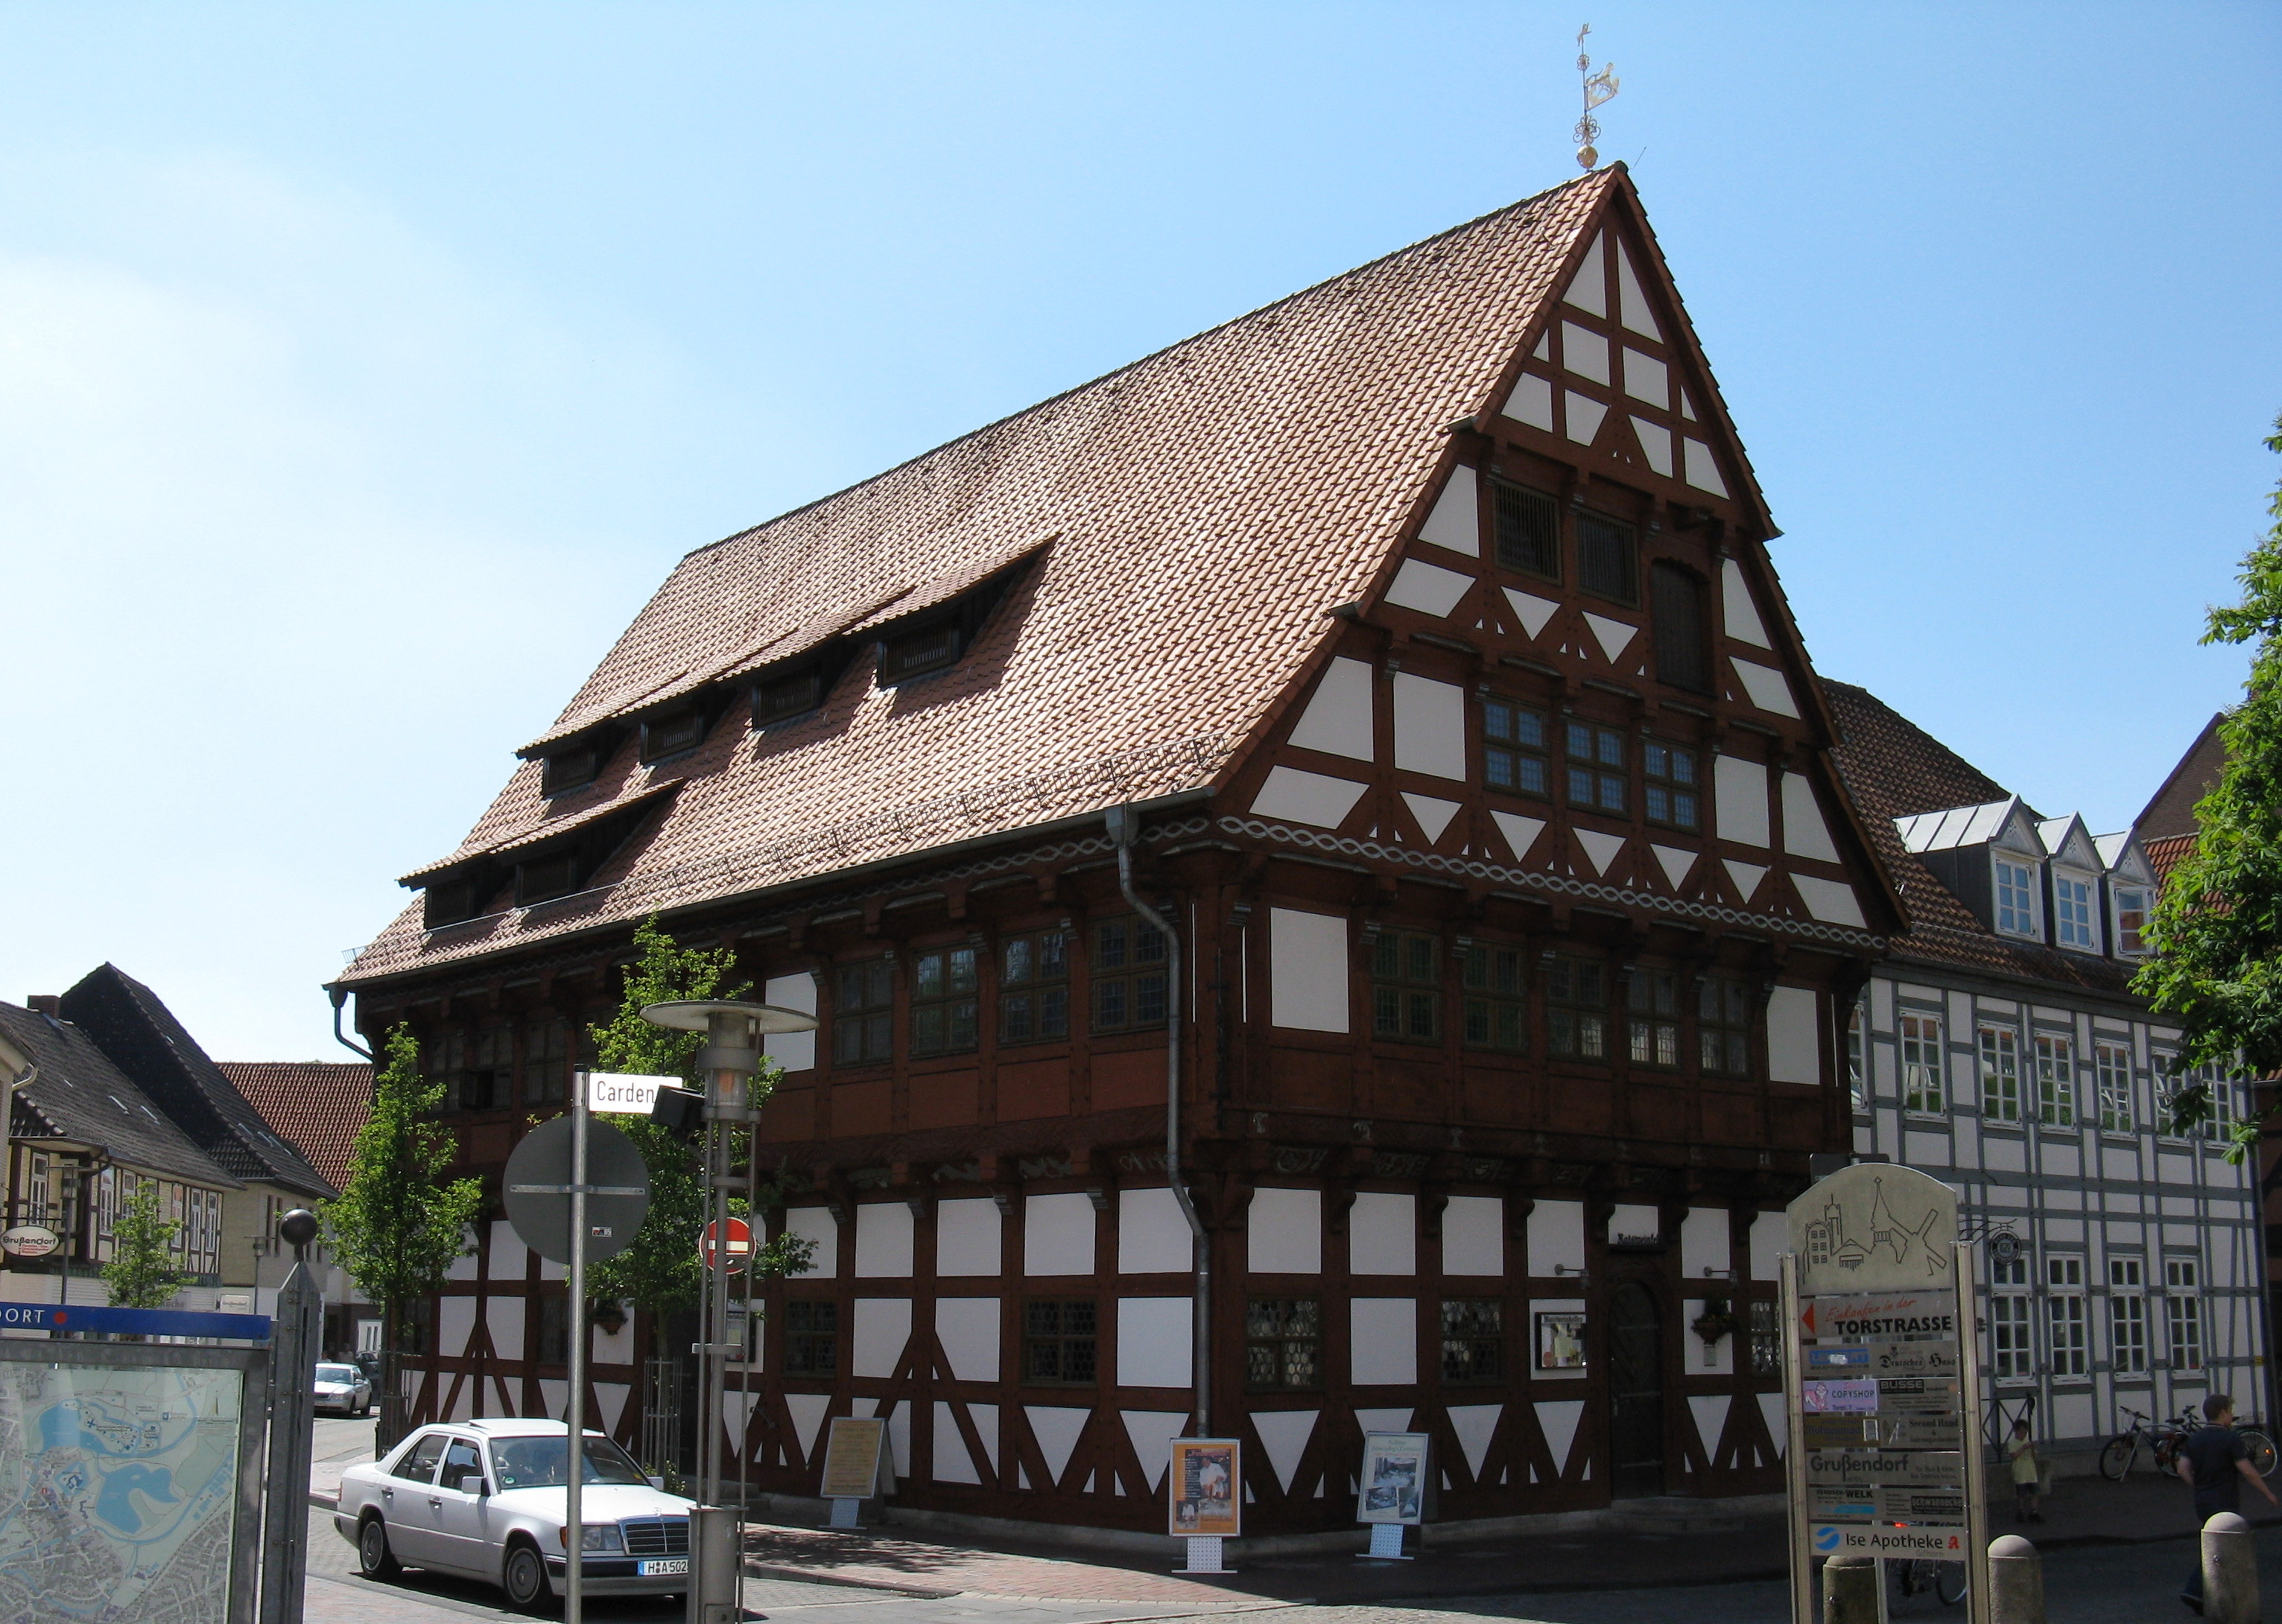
[(1636, 1393)]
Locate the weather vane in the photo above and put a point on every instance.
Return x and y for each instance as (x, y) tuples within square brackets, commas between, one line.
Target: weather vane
[(1598, 88)]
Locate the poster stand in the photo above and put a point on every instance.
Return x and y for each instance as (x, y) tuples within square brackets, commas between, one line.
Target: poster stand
[(1385, 1543), (1205, 1555), (1392, 1490), (1204, 1495), (853, 1457)]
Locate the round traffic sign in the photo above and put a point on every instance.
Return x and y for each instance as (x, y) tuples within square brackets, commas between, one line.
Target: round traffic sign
[(536, 1190), (741, 1244)]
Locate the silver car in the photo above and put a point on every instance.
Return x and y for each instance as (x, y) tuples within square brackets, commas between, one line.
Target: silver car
[(486, 1500), (344, 1387)]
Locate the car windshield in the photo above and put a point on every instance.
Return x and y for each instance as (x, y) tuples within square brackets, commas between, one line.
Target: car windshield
[(337, 1372), (537, 1462)]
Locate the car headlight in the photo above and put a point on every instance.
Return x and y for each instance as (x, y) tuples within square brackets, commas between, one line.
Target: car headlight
[(598, 1536)]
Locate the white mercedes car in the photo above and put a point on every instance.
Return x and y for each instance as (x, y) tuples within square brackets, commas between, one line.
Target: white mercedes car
[(485, 1500)]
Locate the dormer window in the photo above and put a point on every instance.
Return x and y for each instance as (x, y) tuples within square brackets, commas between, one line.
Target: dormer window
[(2072, 917), (2130, 920), (916, 653), (781, 699), (2017, 898), (546, 878), (451, 903), (671, 733), (571, 769)]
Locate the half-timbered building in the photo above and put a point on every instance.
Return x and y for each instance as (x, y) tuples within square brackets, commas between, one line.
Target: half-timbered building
[(1494, 915)]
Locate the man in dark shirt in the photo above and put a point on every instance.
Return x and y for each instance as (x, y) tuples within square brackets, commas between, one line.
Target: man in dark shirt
[(2216, 1464)]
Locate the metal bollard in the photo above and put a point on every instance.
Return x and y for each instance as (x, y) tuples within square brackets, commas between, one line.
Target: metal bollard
[(2016, 1581), (2229, 1570), (1849, 1590)]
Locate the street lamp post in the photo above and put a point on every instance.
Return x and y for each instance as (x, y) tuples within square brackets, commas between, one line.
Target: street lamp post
[(725, 1066)]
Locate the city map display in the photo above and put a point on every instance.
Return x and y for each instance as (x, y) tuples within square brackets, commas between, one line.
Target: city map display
[(118, 1493)]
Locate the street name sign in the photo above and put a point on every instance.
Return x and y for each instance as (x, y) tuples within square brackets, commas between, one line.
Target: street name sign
[(625, 1093)]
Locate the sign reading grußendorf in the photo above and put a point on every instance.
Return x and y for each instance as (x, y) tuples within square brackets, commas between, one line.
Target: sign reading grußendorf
[(1878, 1367)]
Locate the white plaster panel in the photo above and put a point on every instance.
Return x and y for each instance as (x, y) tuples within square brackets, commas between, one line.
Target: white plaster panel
[(1703, 468), (953, 1462), (1454, 524), (1557, 1419), (967, 1327), (816, 1224), (1600, 849), (1427, 588), (466, 1266), (1806, 832), (1154, 1337), (503, 1317), (1152, 1432), (1634, 1221), (1474, 1235), (1746, 877), (2003, 1154), (883, 1241), (2061, 1161), (1583, 414), (1058, 1234), (1432, 812), (1647, 378), (966, 1233), (1284, 1433), (1430, 725), (1543, 349), (1925, 1150), (1770, 1239), (1739, 794), (1535, 611), (793, 1051), (1307, 969), (1831, 901), (455, 1322), (1338, 720), (1384, 1340), (1794, 1037), (807, 1410), (1520, 833), (1765, 686), (1710, 1412), (1532, 402), (883, 1327), (1383, 1234), (1152, 1235), (1588, 288), (1057, 1431), (1740, 613), (1655, 444), (1475, 1425), (1675, 861), (1585, 352), (1704, 1242), (1283, 1231), (1295, 796), (1632, 302), (1771, 1411), (1614, 636), (510, 1258), (1556, 1237)]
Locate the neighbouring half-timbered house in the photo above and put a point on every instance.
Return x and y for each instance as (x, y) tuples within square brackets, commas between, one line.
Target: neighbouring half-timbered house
[(1425, 622)]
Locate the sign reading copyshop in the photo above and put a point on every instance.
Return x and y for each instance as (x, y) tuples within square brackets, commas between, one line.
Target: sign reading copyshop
[(1881, 1377)]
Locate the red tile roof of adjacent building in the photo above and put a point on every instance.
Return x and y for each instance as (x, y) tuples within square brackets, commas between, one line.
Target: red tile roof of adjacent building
[(2166, 854), (1206, 507), (316, 1106), (1893, 768)]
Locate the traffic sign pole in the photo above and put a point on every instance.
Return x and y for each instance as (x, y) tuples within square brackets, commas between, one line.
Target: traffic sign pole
[(1980, 1601), (574, 1465), (1802, 1560)]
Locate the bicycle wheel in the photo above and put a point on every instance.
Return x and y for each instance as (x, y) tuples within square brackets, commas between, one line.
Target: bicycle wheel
[(2116, 1458), (1949, 1582), (2261, 1452)]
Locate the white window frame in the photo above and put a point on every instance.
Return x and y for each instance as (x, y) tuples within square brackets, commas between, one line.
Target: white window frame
[(1920, 1041), (2131, 940), (2218, 1127), (2112, 1064), (2076, 919), (1857, 1055), (2012, 1340), (2025, 919), (2068, 1330), (1999, 1051), (2057, 1105), (2182, 1313), (2127, 1316)]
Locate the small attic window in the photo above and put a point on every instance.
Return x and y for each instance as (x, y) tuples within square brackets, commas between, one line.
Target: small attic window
[(1528, 530), (2016, 897), (571, 769), (916, 653), (546, 878), (2130, 920), (673, 733), (779, 699), (1608, 558), (449, 902)]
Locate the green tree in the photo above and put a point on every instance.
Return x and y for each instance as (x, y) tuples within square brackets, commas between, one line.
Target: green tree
[(397, 1223), (2216, 936), (141, 1273), (662, 1271)]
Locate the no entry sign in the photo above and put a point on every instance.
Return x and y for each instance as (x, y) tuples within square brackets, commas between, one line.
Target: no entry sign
[(741, 1244)]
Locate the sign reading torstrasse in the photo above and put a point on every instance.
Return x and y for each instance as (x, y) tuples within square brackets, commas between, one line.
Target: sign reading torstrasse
[(1880, 1375)]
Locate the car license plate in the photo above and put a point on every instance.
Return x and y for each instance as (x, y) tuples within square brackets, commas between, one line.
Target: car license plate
[(663, 1566)]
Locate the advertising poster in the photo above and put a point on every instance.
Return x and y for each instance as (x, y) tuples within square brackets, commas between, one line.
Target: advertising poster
[(1394, 1480), (852, 1457), (1205, 1484)]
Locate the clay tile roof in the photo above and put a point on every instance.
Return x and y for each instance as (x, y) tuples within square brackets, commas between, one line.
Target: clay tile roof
[(1895, 769), (312, 1105), (1208, 504), (585, 817), (2166, 854)]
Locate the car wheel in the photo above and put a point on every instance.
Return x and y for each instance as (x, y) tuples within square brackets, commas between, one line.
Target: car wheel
[(375, 1560), (524, 1578)]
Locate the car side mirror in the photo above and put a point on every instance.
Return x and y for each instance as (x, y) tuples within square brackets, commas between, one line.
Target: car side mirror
[(474, 1484)]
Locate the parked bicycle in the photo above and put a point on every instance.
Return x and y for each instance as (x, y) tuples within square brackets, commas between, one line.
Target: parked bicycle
[(2162, 1440), (1917, 1575)]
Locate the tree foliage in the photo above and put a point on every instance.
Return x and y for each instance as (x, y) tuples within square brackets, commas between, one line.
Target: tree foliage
[(141, 1273), (661, 1270), (398, 1223), (2216, 936)]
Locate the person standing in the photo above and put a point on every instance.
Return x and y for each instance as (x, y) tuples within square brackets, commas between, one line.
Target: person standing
[(2025, 1474), (2215, 1463)]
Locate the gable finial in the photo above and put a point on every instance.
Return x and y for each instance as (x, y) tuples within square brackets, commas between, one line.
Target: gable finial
[(1598, 88)]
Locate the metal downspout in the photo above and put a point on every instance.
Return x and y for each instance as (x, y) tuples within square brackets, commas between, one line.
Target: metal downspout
[(1124, 824), (340, 996)]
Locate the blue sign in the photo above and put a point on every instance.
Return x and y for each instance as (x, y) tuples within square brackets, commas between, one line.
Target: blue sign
[(132, 1322)]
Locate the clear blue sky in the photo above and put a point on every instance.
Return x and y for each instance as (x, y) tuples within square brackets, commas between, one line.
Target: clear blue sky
[(363, 368)]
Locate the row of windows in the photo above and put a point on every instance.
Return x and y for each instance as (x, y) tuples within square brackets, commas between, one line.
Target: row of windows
[(2045, 1081), (942, 1012), (1407, 975), (2067, 1317), (1594, 769), (2074, 909), (478, 1068)]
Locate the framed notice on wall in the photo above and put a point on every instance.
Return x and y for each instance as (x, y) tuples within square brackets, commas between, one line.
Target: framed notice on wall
[(1393, 1487), (852, 1457), (1205, 1486), (1560, 1341)]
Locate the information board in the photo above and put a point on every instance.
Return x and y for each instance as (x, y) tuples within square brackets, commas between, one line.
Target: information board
[(852, 1457), (1205, 1486), (1393, 1487), (1882, 1377)]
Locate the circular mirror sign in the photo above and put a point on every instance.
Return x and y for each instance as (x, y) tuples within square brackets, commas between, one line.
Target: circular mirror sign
[(29, 1240)]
